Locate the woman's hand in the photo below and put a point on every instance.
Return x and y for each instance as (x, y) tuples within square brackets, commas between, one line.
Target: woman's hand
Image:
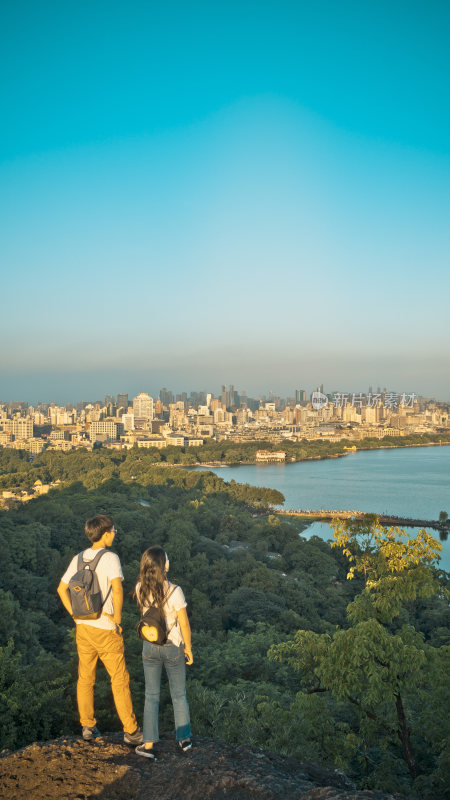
[(186, 631)]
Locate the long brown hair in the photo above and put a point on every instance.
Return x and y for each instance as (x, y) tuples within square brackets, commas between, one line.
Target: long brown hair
[(152, 575)]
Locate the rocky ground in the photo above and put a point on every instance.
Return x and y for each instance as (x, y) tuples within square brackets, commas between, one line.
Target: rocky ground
[(106, 769)]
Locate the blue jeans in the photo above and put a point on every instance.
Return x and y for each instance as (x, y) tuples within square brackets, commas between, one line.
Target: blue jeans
[(153, 657)]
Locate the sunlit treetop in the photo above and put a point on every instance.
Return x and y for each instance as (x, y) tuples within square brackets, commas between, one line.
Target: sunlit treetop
[(397, 568)]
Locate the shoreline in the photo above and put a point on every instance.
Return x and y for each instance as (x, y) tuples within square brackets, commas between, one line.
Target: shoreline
[(225, 464)]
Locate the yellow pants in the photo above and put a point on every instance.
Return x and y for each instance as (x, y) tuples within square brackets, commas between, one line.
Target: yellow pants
[(92, 644)]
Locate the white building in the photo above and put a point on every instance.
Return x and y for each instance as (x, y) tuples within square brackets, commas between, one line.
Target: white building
[(143, 407), (157, 441), (175, 439), (105, 429), (128, 422), (22, 428), (266, 456)]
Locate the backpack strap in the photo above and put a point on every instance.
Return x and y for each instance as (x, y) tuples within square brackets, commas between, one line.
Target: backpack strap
[(169, 593), (107, 595), (94, 562), (92, 566), (166, 597)]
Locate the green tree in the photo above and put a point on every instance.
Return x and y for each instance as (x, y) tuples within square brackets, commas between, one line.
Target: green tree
[(34, 699), (377, 670)]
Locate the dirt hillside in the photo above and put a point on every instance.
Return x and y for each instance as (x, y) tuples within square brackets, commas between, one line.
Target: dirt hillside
[(106, 769)]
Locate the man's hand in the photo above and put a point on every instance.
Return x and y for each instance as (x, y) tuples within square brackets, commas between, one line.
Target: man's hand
[(63, 591), (117, 597)]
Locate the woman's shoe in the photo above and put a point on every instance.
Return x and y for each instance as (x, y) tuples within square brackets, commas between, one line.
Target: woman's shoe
[(147, 752), (185, 745)]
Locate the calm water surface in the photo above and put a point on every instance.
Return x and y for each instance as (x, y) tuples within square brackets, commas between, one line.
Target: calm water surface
[(411, 481)]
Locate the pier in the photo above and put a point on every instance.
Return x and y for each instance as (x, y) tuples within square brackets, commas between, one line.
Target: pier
[(385, 519)]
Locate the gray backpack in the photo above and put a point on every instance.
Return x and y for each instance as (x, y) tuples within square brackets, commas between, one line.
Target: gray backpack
[(84, 589)]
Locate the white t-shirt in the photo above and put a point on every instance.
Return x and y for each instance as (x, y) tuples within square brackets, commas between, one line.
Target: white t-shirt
[(108, 568), (174, 603)]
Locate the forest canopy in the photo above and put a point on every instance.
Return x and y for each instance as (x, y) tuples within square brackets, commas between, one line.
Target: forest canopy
[(271, 612)]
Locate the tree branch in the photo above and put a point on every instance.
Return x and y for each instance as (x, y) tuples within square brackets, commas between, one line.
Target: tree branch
[(403, 735), (371, 715)]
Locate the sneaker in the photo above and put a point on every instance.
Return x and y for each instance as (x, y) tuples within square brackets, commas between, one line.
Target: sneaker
[(147, 752), (133, 738), (90, 733), (185, 745)]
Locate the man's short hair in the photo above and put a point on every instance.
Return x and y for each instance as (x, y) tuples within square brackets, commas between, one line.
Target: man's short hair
[(97, 526)]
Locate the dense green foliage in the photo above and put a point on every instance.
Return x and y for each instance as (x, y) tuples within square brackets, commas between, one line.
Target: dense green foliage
[(252, 583), (380, 669), (229, 452), (94, 468), (16, 472)]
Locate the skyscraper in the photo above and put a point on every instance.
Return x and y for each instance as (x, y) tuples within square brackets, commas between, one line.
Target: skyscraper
[(143, 407), (165, 396), (122, 401)]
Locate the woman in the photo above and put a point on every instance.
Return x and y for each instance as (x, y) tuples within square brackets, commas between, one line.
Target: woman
[(153, 588)]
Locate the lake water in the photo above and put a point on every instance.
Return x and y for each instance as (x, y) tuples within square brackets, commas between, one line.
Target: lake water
[(410, 481)]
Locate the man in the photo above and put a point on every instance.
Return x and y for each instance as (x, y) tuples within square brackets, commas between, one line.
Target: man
[(102, 637)]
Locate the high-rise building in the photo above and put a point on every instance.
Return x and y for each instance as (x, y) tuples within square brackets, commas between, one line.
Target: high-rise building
[(122, 401), (232, 397), (143, 407), (22, 428), (252, 403), (105, 430), (165, 396), (128, 422), (197, 398), (158, 407), (300, 397), (18, 405)]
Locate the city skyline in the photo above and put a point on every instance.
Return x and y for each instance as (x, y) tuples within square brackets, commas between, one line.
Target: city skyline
[(77, 386), (241, 193), (301, 394), (194, 420)]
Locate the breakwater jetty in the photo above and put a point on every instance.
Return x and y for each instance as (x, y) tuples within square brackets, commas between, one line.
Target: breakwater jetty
[(327, 515)]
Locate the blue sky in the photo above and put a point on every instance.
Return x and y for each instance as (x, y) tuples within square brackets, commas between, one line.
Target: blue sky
[(254, 193)]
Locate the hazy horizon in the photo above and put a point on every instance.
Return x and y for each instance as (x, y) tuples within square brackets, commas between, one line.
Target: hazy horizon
[(256, 194), (66, 389)]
